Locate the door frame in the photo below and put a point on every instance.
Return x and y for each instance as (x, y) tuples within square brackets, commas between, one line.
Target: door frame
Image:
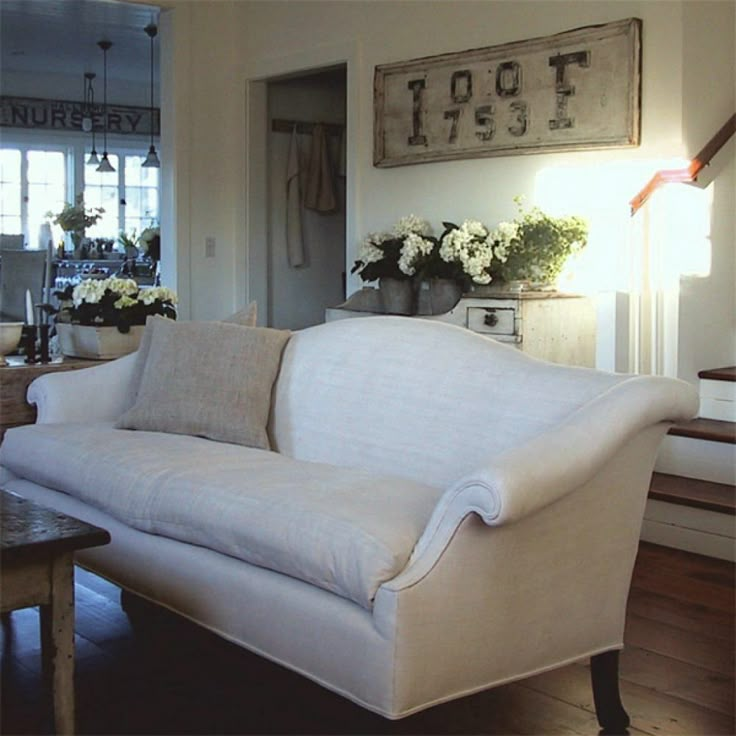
[(253, 268)]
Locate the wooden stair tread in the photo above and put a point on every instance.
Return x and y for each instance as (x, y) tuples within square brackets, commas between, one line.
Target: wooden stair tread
[(700, 494), (719, 374), (714, 430)]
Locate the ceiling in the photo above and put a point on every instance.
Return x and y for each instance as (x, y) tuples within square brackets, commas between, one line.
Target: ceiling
[(42, 36)]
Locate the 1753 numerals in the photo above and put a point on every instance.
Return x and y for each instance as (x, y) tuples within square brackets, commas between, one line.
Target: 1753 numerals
[(508, 88)]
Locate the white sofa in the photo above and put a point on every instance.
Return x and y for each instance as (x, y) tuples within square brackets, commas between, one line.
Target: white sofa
[(445, 512)]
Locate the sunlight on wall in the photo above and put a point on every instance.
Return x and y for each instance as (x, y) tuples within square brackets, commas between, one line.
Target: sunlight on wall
[(601, 194), (684, 224)]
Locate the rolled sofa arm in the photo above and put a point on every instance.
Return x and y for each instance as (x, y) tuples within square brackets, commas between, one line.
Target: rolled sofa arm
[(97, 394), (524, 479)]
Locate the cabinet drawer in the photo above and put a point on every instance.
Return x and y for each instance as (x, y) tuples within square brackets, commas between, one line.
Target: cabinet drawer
[(492, 320)]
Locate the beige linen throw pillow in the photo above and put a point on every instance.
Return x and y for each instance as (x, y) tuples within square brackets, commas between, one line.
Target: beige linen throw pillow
[(245, 317), (209, 379)]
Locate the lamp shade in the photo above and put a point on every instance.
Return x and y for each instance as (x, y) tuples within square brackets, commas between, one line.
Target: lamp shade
[(105, 164), (152, 159)]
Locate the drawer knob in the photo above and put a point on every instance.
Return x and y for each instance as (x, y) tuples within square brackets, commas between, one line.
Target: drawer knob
[(491, 319)]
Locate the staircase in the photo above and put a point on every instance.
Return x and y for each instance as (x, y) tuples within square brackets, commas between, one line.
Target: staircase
[(692, 497)]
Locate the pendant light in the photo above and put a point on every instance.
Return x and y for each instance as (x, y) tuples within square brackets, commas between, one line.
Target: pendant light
[(152, 159), (105, 164), (88, 114)]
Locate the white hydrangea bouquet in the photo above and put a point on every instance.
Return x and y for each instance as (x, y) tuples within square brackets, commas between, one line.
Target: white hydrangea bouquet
[(113, 302), (399, 253), (466, 253)]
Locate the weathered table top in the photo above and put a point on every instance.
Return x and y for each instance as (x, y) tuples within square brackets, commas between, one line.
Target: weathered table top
[(29, 530)]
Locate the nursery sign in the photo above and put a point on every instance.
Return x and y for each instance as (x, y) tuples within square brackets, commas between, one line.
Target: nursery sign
[(576, 90), (29, 112)]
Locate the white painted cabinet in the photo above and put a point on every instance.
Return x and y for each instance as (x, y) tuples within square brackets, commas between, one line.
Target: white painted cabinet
[(549, 325)]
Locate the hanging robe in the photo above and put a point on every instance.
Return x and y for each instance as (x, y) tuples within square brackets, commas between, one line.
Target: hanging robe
[(320, 194), (294, 237)]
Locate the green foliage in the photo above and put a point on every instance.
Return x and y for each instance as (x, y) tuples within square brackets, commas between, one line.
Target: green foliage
[(542, 246), (76, 218)]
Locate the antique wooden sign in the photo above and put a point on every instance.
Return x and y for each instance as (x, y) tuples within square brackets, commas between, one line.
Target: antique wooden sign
[(576, 90), (29, 112)]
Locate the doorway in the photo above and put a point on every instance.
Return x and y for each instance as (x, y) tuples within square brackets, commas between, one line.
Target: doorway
[(306, 202)]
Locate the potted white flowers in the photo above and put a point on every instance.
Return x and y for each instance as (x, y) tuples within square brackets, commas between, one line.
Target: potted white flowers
[(531, 249), (105, 318), (392, 258)]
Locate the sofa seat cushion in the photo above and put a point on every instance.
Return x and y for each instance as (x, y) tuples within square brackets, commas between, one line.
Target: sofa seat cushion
[(344, 530)]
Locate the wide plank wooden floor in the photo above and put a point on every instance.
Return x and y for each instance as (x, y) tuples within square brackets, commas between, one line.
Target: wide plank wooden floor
[(170, 677)]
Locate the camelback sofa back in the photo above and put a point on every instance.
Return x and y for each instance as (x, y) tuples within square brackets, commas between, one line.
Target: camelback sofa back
[(445, 512)]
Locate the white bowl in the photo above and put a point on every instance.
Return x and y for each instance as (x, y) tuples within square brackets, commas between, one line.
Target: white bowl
[(9, 338)]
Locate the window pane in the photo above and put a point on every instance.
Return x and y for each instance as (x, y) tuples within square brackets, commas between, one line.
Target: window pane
[(10, 191), (46, 167), (141, 195), (10, 166), (101, 190), (46, 191)]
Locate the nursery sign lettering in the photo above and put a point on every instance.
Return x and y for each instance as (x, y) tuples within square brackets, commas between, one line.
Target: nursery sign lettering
[(575, 90)]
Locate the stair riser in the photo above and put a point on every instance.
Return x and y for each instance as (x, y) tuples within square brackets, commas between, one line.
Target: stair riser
[(725, 390), (711, 408), (669, 534), (693, 458), (718, 400)]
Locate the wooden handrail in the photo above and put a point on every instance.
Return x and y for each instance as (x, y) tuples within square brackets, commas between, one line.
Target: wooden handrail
[(690, 173)]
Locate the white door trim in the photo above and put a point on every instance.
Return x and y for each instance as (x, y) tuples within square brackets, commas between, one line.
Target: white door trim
[(252, 280)]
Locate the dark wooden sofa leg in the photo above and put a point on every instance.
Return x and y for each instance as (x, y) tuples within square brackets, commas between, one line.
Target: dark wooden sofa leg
[(608, 707)]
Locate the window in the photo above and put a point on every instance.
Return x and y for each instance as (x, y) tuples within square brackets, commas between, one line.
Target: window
[(33, 183), (35, 180), (129, 196)]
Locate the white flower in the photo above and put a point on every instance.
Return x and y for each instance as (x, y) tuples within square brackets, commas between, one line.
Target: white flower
[(412, 250), (475, 228), (471, 246), (89, 291), (411, 225), (124, 287), (125, 301), (157, 293), (369, 252)]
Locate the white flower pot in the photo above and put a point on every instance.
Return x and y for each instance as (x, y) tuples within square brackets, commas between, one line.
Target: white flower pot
[(97, 343)]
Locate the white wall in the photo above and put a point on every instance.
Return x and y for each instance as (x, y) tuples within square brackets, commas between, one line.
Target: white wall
[(707, 319), (299, 296), (221, 43)]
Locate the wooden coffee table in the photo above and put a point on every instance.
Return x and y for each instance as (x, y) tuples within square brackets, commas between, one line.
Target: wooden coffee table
[(37, 548)]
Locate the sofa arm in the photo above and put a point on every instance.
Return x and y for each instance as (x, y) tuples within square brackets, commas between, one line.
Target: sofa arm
[(99, 393), (527, 478)]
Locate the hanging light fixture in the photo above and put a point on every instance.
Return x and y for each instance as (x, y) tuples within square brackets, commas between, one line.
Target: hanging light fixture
[(105, 164), (152, 159), (88, 114)]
